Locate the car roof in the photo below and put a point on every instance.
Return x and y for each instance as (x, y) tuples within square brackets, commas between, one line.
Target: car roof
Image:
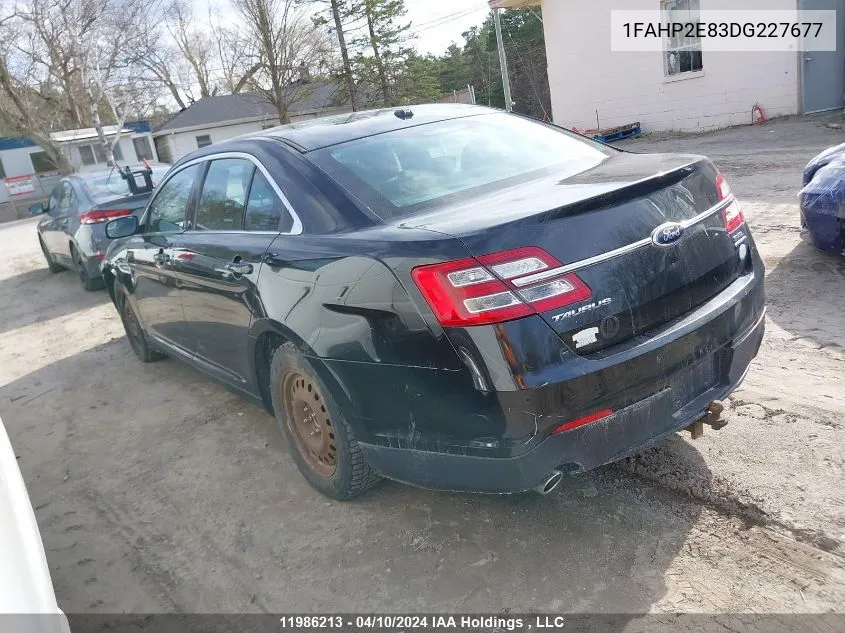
[(323, 132)]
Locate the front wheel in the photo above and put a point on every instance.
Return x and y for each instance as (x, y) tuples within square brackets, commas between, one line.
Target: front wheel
[(135, 333), (322, 443)]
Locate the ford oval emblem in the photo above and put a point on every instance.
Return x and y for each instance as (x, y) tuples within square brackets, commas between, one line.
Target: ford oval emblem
[(667, 234)]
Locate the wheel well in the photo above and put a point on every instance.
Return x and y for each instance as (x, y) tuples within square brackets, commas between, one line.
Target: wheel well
[(265, 347)]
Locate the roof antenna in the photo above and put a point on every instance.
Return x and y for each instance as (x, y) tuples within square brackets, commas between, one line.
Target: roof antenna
[(404, 114)]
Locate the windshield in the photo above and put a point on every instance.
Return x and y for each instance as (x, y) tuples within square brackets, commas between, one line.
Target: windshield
[(107, 186), (400, 173)]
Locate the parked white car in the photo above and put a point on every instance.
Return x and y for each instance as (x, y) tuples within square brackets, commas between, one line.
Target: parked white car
[(25, 584)]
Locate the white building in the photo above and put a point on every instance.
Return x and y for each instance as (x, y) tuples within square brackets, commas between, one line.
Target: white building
[(214, 119), (27, 172), (85, 152), (678, 88)]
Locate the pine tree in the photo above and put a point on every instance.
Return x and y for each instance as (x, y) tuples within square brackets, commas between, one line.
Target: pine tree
[(332, 16), (381, 43)]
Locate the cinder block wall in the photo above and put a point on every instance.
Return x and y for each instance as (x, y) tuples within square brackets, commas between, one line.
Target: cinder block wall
[(585, 75)]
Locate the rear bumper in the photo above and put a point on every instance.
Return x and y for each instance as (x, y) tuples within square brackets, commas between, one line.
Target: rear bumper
[(628, 431), (92, 243)]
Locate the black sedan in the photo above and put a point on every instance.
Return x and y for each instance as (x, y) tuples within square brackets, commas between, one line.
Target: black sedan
[(72, 235), (449, 296)]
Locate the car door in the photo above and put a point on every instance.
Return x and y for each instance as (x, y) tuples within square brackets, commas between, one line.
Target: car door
[(157, 292), (49, 226), (239, 214), (56, 236)]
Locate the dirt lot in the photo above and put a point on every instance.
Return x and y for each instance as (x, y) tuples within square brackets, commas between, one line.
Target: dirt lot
[(157, 490)]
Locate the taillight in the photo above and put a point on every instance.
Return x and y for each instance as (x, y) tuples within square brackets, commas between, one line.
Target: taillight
[(103, 215), (723, 189), (732, 214), (496, 288), (732, 217)]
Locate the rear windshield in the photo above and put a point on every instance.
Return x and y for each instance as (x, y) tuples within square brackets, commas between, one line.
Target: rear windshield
[(400, 173), (108, 186)]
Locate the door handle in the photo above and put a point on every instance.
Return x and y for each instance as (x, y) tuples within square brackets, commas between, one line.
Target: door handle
[(808, 58), (238, 269)]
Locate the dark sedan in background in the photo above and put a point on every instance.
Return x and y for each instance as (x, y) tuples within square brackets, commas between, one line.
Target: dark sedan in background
[(449, 296), (71, 234)]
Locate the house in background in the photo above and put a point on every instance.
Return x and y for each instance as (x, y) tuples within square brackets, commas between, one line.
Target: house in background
[(83, 148), (214, 119), (682, 87), (26, 172)]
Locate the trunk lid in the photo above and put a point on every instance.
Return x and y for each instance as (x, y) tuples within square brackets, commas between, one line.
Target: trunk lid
[(605, 218)]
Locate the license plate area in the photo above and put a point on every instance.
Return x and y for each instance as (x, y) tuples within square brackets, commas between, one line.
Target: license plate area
[(689, 383)]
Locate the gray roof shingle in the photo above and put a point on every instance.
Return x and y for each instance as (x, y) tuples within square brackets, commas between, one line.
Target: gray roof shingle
[(210, 111)]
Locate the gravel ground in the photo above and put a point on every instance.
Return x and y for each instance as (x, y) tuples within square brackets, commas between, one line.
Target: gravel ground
[(158, 491)]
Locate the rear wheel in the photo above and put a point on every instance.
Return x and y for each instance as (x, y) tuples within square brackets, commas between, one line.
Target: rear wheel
[(135, 333), (88, 282), (52, 266), (322, 443)]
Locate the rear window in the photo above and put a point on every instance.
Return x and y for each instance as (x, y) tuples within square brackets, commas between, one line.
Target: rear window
[(399, 173), (107, 186)]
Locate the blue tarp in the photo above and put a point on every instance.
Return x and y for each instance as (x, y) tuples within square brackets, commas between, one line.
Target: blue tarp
[(823, 200)]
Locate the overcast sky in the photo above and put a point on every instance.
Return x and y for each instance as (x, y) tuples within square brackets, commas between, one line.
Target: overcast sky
[(441, 22)]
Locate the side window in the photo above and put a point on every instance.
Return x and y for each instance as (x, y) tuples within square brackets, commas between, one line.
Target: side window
[(56, 199), (66, 202), (69, 202), (223, 199), (168, 209), (264, 209)]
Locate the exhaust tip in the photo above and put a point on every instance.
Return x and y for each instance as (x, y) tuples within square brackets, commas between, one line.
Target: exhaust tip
[(551, 482)]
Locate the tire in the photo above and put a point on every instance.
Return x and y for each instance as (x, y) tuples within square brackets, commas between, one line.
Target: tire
[(134, 332), (321, 442), (52, 266), (90, 284)]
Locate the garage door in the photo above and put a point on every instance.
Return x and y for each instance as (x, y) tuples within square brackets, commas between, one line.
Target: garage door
[(823, 73)]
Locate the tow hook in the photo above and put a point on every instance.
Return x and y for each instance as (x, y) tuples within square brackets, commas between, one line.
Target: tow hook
[(712, 417)]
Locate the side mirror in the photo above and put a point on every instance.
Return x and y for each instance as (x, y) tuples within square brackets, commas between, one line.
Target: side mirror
[(37, 208), (122, 227)]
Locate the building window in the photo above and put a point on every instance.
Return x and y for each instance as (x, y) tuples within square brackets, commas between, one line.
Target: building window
[(142, 148), (94, 155), (682, 54), (203, 141), (41, 163), (86, 152)]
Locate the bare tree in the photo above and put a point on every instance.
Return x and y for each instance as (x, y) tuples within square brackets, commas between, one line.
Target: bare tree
[(25, 109), (30, 102), (289, 44), (77, 58), (237, 55), (196, 47)]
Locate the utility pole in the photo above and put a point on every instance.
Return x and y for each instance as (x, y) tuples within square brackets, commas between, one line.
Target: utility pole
[(503, 61)]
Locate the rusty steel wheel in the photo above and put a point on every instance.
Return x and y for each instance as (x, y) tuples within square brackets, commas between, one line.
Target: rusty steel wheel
[(322, 444), (309, 424)]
